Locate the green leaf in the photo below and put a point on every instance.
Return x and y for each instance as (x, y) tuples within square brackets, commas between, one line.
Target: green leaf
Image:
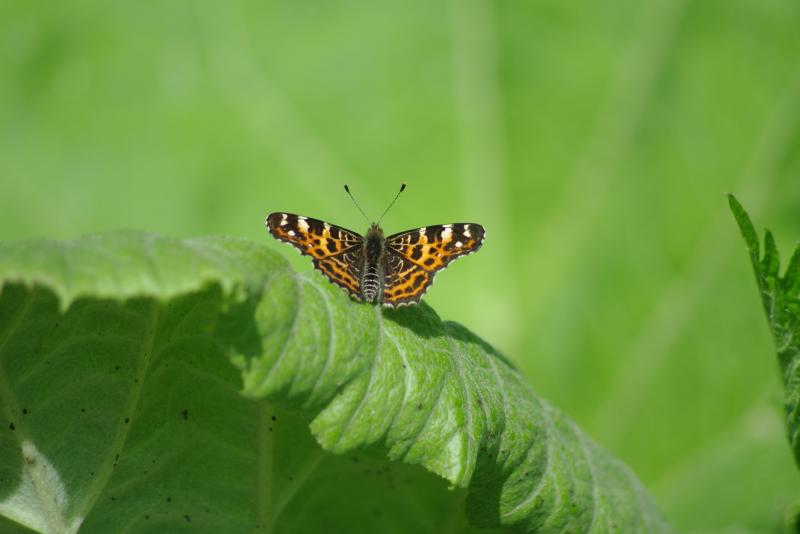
[(780, 298), (123, 359)]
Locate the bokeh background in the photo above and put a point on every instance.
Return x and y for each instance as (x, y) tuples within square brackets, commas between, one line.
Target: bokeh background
[(594, 140)]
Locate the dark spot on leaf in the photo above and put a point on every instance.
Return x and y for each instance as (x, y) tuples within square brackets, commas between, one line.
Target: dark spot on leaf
[(169, 499), (83, 410), (24, 411), (185, 414), (135, 380), (113, 499), (11, 426), (127, 420), (116, 368), (147, 517), (270, 429), (274, 418), (188, 518), (355, 459), (419, 406)]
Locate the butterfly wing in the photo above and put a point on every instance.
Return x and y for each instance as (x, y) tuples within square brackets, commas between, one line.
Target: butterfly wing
[(335, 250), (414, 257)]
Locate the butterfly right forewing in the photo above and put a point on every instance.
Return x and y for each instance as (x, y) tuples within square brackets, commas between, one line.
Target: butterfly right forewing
[(414, 257)]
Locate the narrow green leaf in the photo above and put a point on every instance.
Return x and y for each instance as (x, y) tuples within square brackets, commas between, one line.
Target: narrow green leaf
[(792, 278), (780, 299), (745, 227), (770, 263), (153, 383)]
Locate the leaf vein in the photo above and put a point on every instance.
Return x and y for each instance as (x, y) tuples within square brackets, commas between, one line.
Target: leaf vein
[(378, 345)]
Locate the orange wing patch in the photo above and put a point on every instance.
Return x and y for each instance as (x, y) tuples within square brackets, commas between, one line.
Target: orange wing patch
[(311, 236)]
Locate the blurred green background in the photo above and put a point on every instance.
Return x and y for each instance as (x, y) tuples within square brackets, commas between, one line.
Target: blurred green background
[(594, 140)]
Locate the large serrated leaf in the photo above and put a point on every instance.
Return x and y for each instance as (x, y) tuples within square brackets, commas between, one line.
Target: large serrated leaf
[(122, 362), (781, 301)]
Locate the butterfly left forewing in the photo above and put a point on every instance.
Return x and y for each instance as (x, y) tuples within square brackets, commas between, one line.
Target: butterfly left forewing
[(311, 237), (334, 249), (414, 257)]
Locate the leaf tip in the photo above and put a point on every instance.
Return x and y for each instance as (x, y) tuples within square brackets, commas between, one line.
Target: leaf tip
[(746, 227)]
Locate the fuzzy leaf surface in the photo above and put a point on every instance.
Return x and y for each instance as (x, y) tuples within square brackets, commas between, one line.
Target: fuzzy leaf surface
[(151, 383)]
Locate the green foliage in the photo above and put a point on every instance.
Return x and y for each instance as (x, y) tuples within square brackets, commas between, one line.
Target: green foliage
[(122, 360), (779, 295), (594, 141)]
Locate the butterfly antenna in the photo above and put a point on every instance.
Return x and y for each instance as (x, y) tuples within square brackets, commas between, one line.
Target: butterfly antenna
[(402, 188), (356, 203)]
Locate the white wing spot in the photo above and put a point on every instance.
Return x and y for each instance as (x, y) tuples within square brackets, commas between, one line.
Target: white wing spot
[(447, 232), (290, 232), (283, 220), (302, 224), (459, 244), (466, 231)]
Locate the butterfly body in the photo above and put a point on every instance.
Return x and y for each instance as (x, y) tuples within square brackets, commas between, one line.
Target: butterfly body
[(393, 271), (373, 258)]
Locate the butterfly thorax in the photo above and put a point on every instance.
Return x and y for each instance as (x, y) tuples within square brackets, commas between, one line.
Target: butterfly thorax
[(372, 271)]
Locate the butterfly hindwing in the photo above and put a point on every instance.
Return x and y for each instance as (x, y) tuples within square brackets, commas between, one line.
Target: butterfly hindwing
[(342, 272), (406, 281)]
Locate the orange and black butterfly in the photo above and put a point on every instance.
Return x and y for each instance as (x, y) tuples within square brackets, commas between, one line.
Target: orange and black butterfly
[(394, 270)]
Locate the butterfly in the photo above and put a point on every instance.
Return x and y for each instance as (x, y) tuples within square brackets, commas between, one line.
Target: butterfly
[(394, 270)]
